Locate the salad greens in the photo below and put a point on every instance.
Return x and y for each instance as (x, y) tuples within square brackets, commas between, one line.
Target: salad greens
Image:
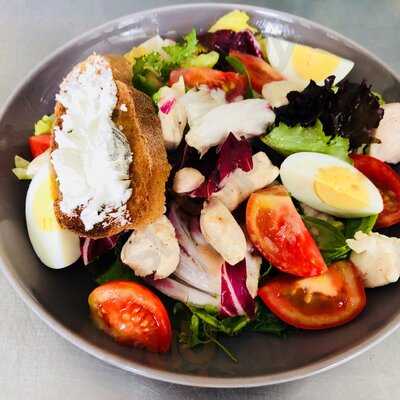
[(287, 140), (204, 60), (151, 71), (351, 111), (44, 125), (331, 240), (204, 325)]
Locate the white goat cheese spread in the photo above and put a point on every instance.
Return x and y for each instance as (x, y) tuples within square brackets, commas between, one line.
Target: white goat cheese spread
[(92, 159)]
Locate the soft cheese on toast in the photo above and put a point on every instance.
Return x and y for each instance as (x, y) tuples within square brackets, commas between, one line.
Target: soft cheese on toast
[(108, 156)]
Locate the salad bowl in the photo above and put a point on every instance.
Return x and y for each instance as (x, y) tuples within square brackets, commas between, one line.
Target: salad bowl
[(59, 297)]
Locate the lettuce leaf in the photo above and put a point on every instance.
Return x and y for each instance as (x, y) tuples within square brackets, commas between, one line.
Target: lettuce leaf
[(329, 239), (205, 60), (353, 225), (44, 125), (287, 140), (151, 71), (350, 110)]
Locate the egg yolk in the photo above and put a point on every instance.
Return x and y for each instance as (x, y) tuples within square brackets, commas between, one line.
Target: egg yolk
[(341, 188), (312, 63), (43, 209)]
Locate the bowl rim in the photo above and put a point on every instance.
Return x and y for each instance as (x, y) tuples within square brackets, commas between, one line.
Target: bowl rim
[(154, 372)]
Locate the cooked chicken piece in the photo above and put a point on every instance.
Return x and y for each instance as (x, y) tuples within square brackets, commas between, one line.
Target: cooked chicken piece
[(222, 231), (187, 179), (388, 132), (377, 257), (275, 92), (172, 113), (247, 118), (239, 185), (153, 249)]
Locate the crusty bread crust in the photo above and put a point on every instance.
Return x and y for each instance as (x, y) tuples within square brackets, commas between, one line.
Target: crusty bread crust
[(149, 169)]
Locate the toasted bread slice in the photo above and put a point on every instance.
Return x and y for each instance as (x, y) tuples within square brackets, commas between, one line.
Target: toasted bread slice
[(135, 116)]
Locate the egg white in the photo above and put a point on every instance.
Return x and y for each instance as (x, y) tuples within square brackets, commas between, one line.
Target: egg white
[(280, 57), (298, 172), (56, 247)]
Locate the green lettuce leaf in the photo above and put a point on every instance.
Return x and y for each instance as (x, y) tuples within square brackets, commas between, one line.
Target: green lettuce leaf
[(151, 71), (329, 239), (287, 140), (205, 60), (116, 271), (352, 226), (44, 125)]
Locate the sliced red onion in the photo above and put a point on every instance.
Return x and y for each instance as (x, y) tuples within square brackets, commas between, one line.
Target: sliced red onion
[(235, 297), (234, 153), (179, 291), (166, 107), (208, 187), (200, 264), (93, 248)]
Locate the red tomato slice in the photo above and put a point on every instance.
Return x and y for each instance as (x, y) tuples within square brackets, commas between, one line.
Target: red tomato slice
[(132, 315), (388, 183), (278, 232), (320, 302), (39, 144), (231, 82), (260, 71)]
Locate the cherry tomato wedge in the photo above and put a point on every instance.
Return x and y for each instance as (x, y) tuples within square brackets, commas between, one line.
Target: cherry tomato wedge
[(132, 315), (320, 302), (388, 183), (232, 83), (39, 144), (260, 71), (278, 232)]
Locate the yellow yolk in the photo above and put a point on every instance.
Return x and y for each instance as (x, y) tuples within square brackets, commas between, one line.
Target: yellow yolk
[(312, 63), (43, 209), (341, 188)]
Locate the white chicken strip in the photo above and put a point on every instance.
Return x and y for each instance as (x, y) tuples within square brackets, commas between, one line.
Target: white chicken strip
[(172, 113), (276, 92), (247, 118), (187, 179), (222, 231), (388, 132), (199, 102), (239, 185), (377, 257), (152, 250), (253, 265)]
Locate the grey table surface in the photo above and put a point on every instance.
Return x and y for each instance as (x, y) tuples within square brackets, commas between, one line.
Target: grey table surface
[(35, 363)]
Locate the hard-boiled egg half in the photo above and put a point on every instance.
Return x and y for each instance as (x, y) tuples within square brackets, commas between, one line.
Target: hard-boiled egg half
[(299, 62), (56, 247), (330, 185)]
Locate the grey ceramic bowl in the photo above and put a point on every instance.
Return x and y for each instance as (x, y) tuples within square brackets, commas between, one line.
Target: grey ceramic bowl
[(60, 297)]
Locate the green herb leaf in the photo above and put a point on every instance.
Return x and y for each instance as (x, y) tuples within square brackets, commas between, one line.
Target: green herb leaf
[(266, 322), (352, 226), (151, 71), (239, 67), (330, 239), (288, 140), (116, 271)]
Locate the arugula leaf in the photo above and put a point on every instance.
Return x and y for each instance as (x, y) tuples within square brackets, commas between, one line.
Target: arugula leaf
[(205, 325), (287, 140), (116, 271), (266, 322), (239, 67), (352, 226), (330, 239)]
